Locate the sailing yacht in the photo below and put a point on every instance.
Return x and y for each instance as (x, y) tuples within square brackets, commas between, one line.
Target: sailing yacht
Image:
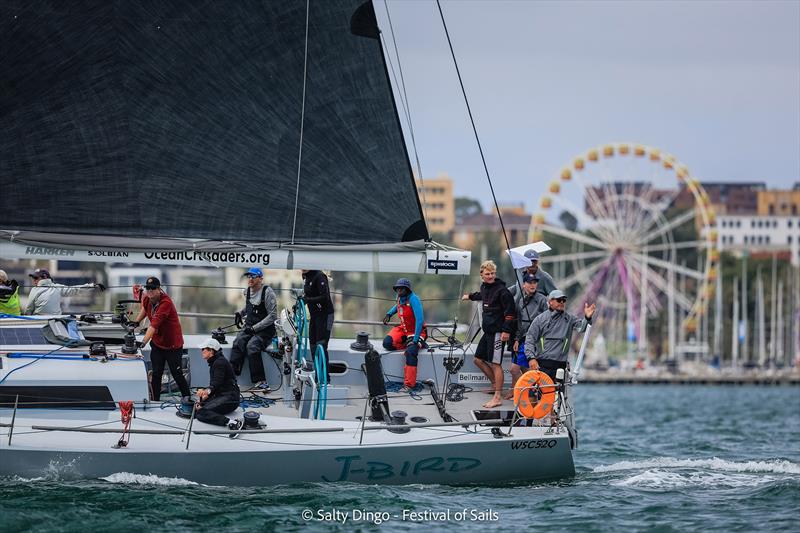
[(229, 134)]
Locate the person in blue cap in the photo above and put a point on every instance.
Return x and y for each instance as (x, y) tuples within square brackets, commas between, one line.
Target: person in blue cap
[(410, 334), (257, 320)]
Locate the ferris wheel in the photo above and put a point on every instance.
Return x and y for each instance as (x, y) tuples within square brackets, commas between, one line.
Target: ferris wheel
[(634, 231)]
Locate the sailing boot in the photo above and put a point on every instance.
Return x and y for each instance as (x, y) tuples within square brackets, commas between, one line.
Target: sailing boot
[(409, 378)]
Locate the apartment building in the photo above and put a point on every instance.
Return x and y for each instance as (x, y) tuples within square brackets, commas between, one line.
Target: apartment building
[(438, 204)]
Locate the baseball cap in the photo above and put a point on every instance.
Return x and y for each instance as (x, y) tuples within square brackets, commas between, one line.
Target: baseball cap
[(533, 255), (530, 278), (210, 343), (152, 283), (555, 294), (254, 273), (40, 273)]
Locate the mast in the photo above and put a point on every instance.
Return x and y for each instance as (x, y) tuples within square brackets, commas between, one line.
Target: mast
[(762, 344), (735, 326), (745, 351)]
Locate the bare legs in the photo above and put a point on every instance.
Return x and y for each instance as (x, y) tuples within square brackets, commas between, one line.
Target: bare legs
[(494, 374)]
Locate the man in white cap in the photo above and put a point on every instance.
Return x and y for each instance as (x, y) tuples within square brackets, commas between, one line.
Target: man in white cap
[(222, 395), (548, 339)]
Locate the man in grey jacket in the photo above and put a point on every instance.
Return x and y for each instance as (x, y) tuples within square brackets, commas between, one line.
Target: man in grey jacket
[(529, 304), (45, 296), (258, 318), (548, 339)]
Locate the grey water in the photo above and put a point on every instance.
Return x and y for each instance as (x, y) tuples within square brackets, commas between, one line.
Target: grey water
[(654, 458)]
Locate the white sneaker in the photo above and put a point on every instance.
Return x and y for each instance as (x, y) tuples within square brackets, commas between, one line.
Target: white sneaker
[(262, 386), (236, 425)]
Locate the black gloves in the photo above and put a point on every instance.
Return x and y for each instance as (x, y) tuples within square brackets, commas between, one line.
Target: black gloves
[(238, 320), (386, 319), (100, 286), (140, 344), (249, 330)]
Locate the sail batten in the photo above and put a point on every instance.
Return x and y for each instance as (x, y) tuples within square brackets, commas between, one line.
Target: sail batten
[(179, 120)]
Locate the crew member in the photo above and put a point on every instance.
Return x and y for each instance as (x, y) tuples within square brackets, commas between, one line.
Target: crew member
[(546, 283), (45, 296), (222, 395), (164, 335), (548, 338), (317, 295), (410, 333), (258, 318), (9, 295), (529, 304), (497, 323)]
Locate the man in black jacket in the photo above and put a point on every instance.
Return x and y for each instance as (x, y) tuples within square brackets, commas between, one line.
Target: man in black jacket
[(499, 319), (317, 294), (222, 395)]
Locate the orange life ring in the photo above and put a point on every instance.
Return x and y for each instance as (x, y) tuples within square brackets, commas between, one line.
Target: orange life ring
[(534, 394)]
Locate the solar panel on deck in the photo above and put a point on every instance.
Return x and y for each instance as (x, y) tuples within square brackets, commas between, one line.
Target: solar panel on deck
[(20, 336)]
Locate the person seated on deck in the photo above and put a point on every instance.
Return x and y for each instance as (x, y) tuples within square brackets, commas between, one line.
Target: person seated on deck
[(498, 321), (45, 296), (529, 304), (547, 340), (410, 334), (258, 318), (222, 395), (9, 295)]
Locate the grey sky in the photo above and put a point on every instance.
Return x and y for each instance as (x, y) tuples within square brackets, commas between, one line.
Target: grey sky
[(715, 83)]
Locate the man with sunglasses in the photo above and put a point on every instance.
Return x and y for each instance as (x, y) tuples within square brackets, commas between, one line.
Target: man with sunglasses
[(164, 335), (548, 338), (258, 318)]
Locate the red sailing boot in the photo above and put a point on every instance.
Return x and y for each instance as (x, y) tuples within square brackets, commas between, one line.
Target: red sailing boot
[(409, 379)]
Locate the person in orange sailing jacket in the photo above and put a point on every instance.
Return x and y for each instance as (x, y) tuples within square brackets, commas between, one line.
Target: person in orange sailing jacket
[(410, 334)]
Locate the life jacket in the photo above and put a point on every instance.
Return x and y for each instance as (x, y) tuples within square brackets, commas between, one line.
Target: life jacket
[(407, 319), (255, 313), (9, 303)]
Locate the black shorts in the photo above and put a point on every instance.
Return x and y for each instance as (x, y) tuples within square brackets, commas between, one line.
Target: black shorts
[(550, 367), (490, 348)]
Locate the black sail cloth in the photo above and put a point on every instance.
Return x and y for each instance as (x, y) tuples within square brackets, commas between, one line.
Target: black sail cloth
[(164, 119)]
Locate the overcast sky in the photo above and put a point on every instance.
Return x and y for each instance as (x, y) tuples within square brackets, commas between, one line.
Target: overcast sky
[(716, 83)]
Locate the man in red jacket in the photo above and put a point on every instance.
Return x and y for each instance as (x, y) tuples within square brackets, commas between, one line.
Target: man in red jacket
[(164, 335)]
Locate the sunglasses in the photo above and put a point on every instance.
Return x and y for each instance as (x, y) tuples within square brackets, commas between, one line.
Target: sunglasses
[(562, 300)]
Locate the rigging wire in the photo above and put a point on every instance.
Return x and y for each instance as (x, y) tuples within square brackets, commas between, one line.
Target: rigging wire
[(302, 124), (475, 131), (406, 105)]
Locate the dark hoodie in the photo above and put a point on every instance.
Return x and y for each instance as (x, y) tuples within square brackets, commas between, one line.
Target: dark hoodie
[(316, 292), (499, 312)]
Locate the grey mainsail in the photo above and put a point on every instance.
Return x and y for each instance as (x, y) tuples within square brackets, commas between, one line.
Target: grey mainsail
[(126, 124)]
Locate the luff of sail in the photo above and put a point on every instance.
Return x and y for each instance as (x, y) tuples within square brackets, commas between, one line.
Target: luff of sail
[(152, 126)]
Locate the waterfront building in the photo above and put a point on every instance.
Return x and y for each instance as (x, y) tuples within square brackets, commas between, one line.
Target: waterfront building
[(438, 204)]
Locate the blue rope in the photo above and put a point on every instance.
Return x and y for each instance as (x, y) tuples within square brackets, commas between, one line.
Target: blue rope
[(32, 362), (7, 315)]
